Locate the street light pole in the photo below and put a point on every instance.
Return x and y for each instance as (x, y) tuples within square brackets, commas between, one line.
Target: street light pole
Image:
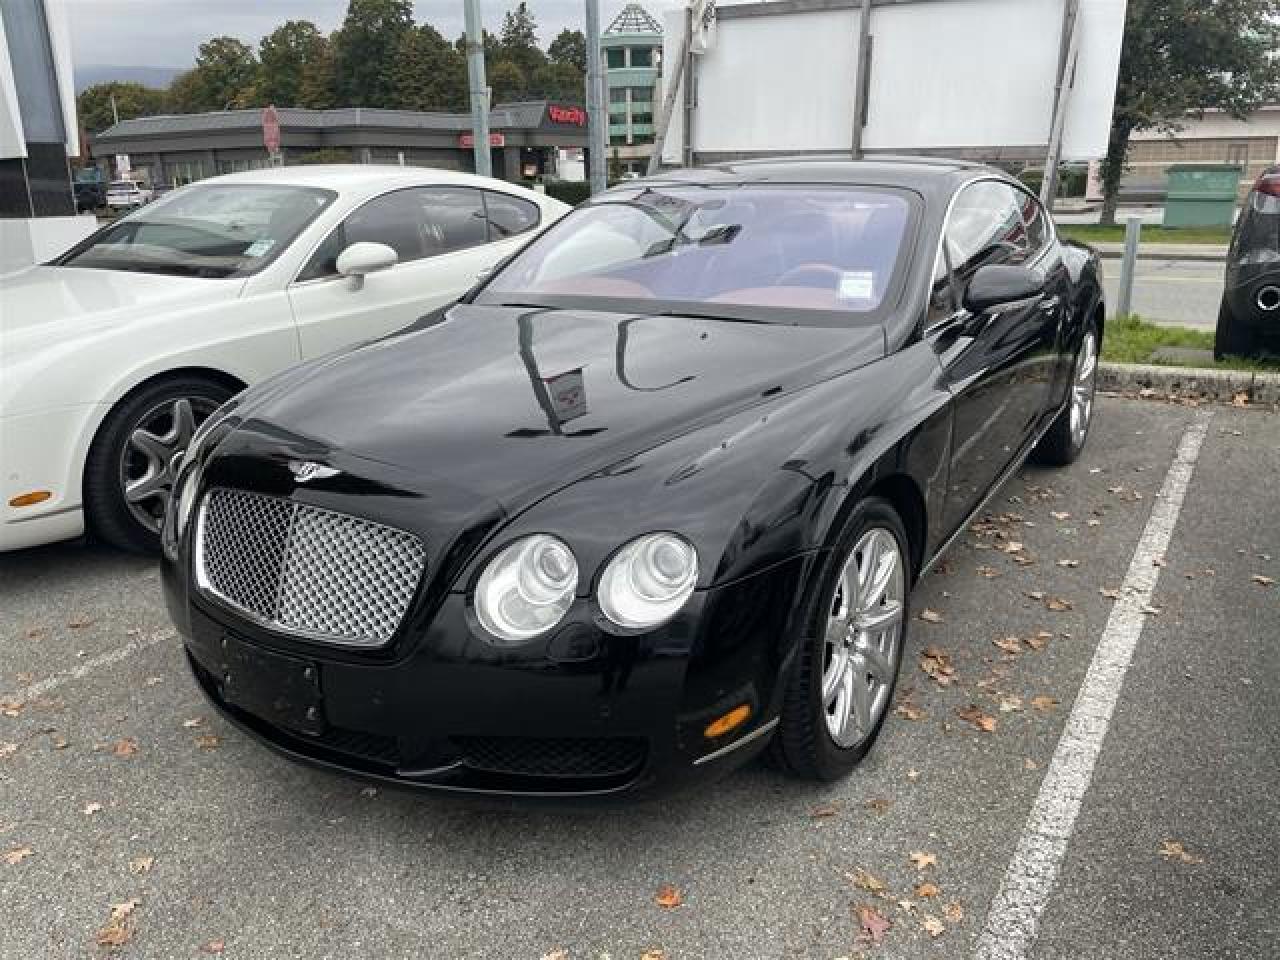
[(597, 120), (479, 90)]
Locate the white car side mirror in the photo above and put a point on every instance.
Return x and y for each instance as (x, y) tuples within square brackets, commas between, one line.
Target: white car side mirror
[(361, 258)]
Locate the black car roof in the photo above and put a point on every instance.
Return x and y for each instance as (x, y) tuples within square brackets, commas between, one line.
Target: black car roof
[(932, 175)]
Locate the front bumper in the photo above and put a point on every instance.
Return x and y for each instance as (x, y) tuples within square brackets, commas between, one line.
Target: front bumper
[(581, 713)]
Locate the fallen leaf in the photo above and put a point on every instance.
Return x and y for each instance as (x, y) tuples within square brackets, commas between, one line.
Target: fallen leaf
[(1044, 702), (91, 808), (1068, 563), (922, 859), (910, 711), (930, 616), (17, 855), (927, 889), (1109, 593), (668, 897), (60, 742), (122, 911), (1060, 515), (1012, 546), (1009, 644), (953, 912), (877, 805), (933, 926), (824, 811), (114, 935), (656, 953), (913, 774), (1262, 580), (1150, 611), (1010, 704), (217, 946), (11, 708), (1036, 594), (907, 906), (937, 664), (193, 723), (8, 749), (1039, 640), (1240, 399), (208, 741), (140, 865), (1029, 764), (988, 572), (79, 622), (1172, 850), (874, 924), (866, 881), (125, 748), (1057, 604), (973, 714)]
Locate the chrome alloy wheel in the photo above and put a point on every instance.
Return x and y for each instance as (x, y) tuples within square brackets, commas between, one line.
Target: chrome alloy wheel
[(152, 455), (1082, 388), (863, 638)]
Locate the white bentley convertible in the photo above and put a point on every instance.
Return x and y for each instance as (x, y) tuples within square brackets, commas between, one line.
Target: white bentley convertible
[(112, 354)]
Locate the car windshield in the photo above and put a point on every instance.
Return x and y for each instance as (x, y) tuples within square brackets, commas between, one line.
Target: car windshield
[(716, 250), (214, 230)]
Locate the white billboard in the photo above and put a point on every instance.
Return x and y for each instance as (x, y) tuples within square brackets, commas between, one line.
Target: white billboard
[(945, 75)]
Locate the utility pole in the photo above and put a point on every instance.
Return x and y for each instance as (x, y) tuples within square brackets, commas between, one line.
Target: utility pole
[(862, 79), (597, 119), (479, 90), (115, 114)]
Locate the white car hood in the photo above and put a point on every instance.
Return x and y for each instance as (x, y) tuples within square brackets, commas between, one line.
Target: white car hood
[(58, 302)]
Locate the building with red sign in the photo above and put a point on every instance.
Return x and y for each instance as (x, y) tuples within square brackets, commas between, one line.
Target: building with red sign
[(526, 140)]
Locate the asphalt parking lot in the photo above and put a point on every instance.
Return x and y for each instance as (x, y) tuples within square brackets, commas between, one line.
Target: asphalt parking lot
[(1151, 832)]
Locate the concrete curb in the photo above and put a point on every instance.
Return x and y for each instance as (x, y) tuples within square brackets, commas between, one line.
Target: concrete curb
[(1262, 389), (1148, 253)]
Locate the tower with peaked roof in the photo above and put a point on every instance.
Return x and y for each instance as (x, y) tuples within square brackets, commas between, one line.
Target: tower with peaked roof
[(631, 47)]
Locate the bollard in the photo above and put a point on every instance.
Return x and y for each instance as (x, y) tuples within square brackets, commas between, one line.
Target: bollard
[(1132, 232)]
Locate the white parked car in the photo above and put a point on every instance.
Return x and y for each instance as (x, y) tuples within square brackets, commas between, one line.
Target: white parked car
[(122, 194), (112, 354)]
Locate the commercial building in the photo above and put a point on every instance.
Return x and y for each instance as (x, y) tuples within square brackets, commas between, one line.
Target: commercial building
[(37, 134), (526, 140), (1213, 136), (632, 48)]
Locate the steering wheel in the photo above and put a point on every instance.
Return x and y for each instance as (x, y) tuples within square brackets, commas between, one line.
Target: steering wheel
[(824, 273)]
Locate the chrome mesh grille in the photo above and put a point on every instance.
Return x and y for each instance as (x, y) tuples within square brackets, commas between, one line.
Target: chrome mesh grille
[(306, 571)]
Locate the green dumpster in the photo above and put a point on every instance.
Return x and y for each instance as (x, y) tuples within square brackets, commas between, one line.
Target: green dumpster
[(1201, 195)]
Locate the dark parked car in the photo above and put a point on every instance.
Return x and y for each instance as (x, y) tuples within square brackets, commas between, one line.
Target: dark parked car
[(651, 498), (1249, 318), (90, 195)]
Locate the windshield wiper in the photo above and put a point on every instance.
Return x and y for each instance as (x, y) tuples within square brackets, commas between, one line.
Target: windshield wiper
[(728, 317)]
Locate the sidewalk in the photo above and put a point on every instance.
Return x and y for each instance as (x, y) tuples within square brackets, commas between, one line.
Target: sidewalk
[(1209, 252)]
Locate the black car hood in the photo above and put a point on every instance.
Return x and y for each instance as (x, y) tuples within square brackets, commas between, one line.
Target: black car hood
[(512, 403)]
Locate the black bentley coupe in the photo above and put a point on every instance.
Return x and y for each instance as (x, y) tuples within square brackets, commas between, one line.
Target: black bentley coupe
[(649, 499)]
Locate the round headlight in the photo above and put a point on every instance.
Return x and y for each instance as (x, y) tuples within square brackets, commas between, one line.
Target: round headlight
[(648, 580), (527, 588)]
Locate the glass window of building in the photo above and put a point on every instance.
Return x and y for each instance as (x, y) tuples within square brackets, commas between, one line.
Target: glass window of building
[(615, 58), (642, 56), (618, 95)]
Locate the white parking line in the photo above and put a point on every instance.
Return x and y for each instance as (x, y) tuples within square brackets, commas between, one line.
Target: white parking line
[(93, 664), (1014, 917)]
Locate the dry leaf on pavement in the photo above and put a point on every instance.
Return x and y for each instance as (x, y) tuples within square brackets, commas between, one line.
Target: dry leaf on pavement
[(668, 897), (91, 808), (824, 811), (1173, 850), (1240, 399), (141, 864), (953, 912), (988, 572), (1044, 702), (8, 749), (125, 748), (930, 616), (1039, 640), (1109, 593), (657, 953), (973, 714), (866, 881), (218, 945), (937, 664), (909, 711), (927, 889), (1059, 515), (1057, 604), (1009, 644), (877, 804), (1261, 580), (208, 741), (922, 859), (874, 924), (11, 708), (79, 622), (1010, 704), (17, 855), (118, 931), (193, 723), (933, 926)]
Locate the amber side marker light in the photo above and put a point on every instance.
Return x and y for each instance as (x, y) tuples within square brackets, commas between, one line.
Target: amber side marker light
[(730, 721), (30, 499)]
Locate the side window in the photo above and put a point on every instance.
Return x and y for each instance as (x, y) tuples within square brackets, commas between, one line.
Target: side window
[(1037, 222), (509, 215), (985, 227), (453, 218)]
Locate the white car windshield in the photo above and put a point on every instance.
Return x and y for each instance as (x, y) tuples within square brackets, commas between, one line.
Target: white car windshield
[(214, 230), (680, 249)]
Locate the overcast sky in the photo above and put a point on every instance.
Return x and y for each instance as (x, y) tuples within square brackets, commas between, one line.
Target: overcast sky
[(165, 33)]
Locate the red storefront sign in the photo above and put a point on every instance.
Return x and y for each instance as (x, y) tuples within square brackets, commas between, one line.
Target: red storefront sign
[(468, 140), (572, 115)]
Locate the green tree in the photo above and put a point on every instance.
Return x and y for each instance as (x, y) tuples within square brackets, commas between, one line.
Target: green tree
[(284, 56), (364, 51), (317, 87), (518, 41), (225, 70), (557, 81), (132, 100), (1180, 56), (507, 82), (569, 48), (428, 73)]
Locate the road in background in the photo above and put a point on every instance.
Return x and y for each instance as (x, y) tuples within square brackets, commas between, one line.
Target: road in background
[(1180, 293)]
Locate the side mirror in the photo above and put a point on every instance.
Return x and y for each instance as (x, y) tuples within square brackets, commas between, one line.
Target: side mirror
[(361, 258), (998, 284)]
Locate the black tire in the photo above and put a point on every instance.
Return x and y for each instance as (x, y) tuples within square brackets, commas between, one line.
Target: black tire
[(108, 515), (1059, 446), (803, 747), (1231, 338)]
